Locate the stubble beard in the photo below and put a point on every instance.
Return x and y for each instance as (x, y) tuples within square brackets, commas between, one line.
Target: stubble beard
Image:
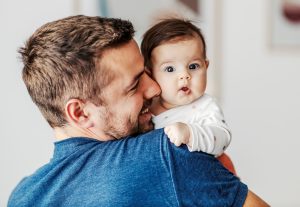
[(119, 128)]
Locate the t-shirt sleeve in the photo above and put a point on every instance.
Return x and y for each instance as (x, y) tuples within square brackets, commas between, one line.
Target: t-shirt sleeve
[(200, 180)]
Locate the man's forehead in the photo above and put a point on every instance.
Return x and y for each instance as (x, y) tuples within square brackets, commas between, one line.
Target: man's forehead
[(125, 61)]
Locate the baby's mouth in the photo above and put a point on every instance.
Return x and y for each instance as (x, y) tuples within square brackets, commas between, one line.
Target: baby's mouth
[(185, 89)]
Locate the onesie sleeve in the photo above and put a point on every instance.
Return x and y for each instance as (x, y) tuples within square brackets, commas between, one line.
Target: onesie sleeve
[(200, 180), (210, 133)]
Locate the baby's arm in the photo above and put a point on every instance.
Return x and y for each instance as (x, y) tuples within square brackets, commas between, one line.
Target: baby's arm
[(208, 134), (212, 139)]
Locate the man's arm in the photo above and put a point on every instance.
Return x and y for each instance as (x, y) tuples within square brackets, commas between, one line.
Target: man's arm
[(254, 200)]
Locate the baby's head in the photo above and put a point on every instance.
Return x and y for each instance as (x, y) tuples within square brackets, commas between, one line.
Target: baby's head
[(174, 52)]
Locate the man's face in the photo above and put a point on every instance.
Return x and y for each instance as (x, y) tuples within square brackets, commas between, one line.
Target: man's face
[(128, 95)]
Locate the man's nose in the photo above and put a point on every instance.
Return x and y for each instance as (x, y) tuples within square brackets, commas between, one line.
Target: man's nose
[(151, 88)]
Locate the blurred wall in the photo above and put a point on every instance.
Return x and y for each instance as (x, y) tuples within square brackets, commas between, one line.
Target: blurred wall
[(261, 102), (26, 138), (257, 87)]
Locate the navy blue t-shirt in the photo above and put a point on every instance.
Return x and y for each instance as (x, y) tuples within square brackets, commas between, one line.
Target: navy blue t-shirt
[(146, 170)]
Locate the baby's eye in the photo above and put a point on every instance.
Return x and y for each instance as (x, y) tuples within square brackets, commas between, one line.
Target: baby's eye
[(194, 66), (169, 69)]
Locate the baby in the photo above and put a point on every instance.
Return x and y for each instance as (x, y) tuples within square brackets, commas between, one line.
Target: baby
[(175, 53)]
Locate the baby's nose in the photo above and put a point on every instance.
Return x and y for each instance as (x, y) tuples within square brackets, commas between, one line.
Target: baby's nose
[(185, 75)]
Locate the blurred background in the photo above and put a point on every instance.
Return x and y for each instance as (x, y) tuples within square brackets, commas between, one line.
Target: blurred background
[(254, 51)]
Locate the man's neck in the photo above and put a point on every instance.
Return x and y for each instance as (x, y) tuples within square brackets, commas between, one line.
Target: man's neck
[(66, 132)]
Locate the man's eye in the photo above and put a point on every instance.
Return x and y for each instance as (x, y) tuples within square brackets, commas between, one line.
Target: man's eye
[(135, 87), (169, 69), (194, 66)]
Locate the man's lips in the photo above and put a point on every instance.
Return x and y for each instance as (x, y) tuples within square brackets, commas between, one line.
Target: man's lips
[(145, 110), (145, 115), (146, 106), (144, 119)]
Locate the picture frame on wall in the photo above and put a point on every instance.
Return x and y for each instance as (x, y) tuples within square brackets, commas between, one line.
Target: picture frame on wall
[(285, 24)]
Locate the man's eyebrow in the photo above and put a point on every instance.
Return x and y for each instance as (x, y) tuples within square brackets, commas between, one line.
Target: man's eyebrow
[(134, 80)]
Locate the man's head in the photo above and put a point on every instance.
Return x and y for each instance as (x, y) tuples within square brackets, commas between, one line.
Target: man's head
[(68, 70)]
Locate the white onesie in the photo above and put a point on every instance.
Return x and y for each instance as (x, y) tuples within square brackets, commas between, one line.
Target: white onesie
[(209, 131)]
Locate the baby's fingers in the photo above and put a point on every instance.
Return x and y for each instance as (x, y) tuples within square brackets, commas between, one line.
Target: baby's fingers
[(177, 142), (167, 129), (172, 140)]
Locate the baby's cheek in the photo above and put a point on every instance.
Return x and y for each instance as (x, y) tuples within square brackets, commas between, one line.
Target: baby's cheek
[(166, 96)]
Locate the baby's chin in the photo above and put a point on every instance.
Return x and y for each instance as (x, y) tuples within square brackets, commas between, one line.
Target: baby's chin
[(181, 101), (188, 100)]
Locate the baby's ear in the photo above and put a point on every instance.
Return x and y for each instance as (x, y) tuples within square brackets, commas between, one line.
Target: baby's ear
[(206, 63)]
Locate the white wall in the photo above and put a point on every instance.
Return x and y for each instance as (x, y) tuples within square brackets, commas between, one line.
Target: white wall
[(261, 102), (259, 93), (26, 139)]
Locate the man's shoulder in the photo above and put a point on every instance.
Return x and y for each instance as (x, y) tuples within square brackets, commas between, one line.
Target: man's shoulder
[(152, 136), (26, 192), (158, 140), (158, 133)]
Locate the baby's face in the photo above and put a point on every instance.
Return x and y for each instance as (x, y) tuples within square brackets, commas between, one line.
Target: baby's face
[(180, 69)]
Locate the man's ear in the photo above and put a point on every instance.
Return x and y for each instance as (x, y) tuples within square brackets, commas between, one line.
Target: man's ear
[(76, 113)]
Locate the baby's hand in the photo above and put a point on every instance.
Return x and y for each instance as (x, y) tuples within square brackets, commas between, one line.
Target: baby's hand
[(178, 133)]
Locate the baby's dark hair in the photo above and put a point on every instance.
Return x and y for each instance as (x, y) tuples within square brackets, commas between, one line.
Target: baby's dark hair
[(167, 30)]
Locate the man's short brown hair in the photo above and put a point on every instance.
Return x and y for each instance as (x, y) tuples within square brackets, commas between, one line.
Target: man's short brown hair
[(61, 61), (168, 30)]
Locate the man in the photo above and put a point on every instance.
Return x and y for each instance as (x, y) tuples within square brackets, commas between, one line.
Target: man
[(87, 77)]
